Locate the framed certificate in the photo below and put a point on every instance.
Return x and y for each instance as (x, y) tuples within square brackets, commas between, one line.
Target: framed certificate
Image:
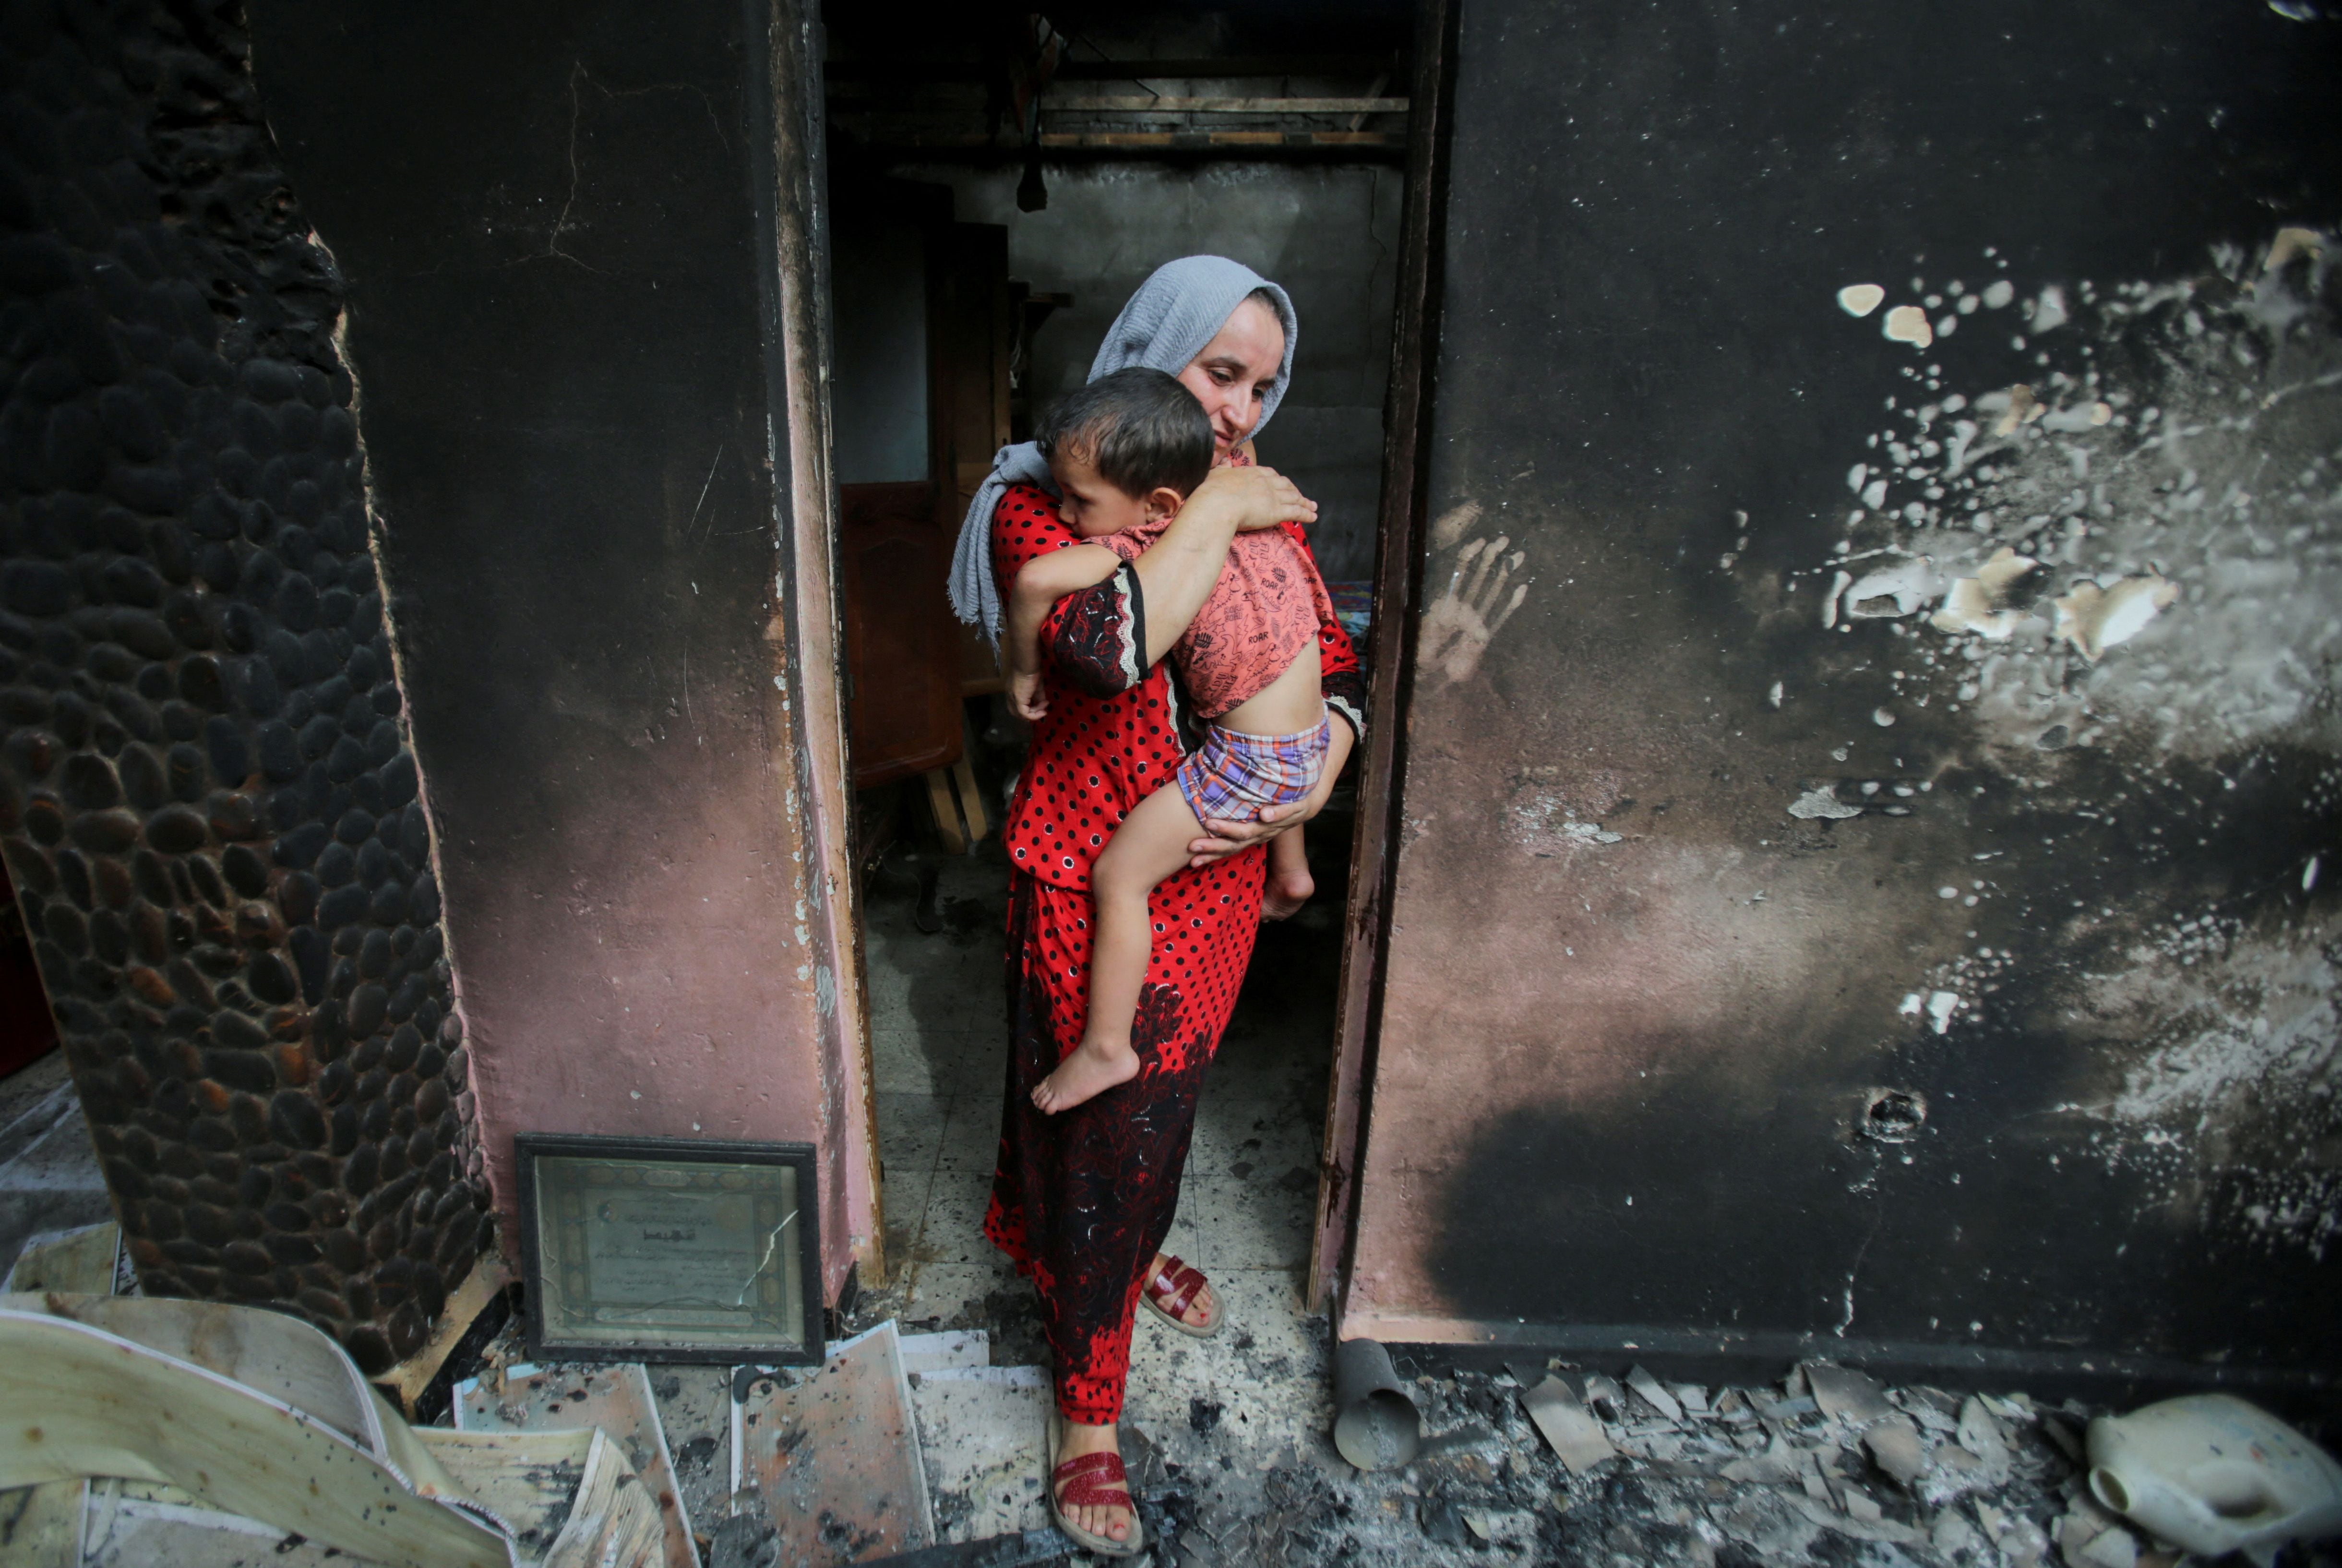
[(670, 1249)]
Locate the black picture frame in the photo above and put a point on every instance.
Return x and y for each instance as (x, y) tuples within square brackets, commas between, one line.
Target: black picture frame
[(675, 1208)]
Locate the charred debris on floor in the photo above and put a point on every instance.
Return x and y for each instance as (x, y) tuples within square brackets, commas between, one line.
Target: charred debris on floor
[(1828, 1467), (923, 1450), (1535, 1463)]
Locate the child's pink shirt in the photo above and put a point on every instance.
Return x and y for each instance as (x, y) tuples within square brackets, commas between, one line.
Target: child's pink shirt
[(1263, 610)]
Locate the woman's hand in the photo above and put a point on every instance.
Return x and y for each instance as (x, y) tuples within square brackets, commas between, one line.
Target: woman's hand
[(1227, 838), (1258, 497)]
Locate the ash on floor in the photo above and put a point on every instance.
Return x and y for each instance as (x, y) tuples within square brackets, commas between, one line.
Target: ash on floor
[(1732, 1477), (1241, 1474), (1728, 1478)]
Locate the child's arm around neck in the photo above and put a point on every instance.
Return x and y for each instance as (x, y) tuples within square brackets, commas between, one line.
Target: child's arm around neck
[(1040, 584)]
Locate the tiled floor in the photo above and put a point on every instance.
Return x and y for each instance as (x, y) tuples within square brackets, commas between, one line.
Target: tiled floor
[(940, 1041)]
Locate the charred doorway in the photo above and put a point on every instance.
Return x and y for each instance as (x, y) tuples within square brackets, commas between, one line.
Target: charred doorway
[(999, 185)]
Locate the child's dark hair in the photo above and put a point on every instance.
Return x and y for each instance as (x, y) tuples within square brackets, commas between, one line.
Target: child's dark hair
[(1139, 427)]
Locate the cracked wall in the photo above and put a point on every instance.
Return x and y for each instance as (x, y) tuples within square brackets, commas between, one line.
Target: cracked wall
[(1877, 643), (548, 219)]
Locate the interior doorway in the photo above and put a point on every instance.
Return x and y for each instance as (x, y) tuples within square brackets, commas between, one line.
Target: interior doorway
[(997, 190)]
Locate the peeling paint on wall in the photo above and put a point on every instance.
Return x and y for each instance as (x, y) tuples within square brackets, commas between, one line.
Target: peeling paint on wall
[(2142, 557), (2187, 457), (1546, 820), (2234, 1044), (1859, 299)]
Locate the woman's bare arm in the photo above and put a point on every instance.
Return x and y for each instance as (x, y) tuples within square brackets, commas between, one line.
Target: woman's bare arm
[(1176, 574)]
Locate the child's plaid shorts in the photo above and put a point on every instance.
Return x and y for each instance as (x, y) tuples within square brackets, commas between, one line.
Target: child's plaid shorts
[(1232, 775)]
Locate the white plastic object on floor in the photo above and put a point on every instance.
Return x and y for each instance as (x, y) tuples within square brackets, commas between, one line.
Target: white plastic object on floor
[(2212, 1474)]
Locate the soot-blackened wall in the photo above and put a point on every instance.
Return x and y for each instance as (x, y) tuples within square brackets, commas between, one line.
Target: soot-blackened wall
[(1867, 865), (206, 798), (556, 222)]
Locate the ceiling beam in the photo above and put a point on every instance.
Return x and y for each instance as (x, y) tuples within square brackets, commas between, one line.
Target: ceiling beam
[(1226, 67), (960, 146), (1162, 105)]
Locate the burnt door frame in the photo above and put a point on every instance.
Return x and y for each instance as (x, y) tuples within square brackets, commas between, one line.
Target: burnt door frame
[(790, 168), (1398, 573)]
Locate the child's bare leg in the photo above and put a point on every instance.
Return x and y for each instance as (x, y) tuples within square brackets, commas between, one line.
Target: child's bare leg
[(1150, 844), (1290, 883)]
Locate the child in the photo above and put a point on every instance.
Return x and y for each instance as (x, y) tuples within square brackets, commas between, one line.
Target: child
[(1125, 452)]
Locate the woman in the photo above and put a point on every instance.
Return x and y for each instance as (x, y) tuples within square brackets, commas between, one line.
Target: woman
[(1081, 1201)]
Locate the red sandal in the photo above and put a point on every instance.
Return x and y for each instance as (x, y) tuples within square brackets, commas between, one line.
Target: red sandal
[(1092, 1480), (1172, 1291)]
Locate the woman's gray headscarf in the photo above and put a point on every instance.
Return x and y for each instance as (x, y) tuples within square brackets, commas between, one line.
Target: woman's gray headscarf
[(1167, 323)]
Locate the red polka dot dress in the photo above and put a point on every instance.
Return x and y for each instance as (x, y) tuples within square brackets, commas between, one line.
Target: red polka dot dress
[(1082, 1200)]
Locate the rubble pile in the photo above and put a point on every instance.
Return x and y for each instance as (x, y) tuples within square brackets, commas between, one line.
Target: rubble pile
[(1827, 1468)]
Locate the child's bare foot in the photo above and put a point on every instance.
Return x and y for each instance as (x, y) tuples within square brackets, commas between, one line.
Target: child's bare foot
[(1095, 1066), (1286, 892)]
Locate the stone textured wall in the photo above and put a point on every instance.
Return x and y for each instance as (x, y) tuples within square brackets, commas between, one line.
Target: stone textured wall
[(208, 803)]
